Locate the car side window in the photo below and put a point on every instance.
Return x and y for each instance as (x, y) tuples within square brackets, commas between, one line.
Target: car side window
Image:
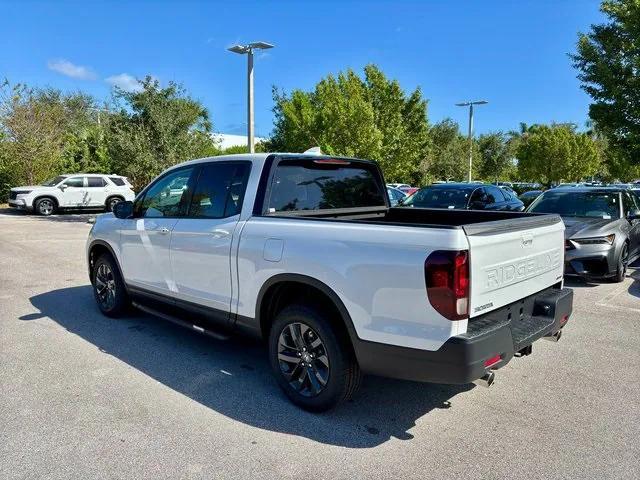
[(95, 182), (117, 181), (76, 182), (478, 196), (219, 190), (166, 197), (494, 195)]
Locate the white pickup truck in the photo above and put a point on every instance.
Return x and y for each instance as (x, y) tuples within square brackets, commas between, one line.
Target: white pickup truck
[(305, 252)]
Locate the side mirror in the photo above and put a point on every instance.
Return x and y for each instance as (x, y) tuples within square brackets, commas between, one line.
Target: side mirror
[(62, 187), (633, 215), (123, 210)]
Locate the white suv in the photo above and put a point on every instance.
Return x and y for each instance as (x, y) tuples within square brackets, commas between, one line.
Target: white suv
[(80, 190)]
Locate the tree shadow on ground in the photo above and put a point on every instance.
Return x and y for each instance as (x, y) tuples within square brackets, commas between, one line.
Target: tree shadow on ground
[(234, 379)]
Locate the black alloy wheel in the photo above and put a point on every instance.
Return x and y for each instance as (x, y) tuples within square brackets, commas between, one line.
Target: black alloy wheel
[(108, 288), (312, 357), (623, 263), (105, 286), (303, 359)]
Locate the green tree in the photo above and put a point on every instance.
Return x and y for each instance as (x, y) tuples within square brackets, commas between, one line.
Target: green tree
[(552, 153), (608, 61), (155, 128), (346, 115), (448, 158), (36, 126), (497, 161)]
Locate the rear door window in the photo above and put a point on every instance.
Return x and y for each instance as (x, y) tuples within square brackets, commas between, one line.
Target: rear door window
[(95, 182), (324, 184), (219, 190)]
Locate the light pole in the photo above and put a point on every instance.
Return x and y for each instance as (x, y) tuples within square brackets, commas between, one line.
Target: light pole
[(248, 50), (470, 105)]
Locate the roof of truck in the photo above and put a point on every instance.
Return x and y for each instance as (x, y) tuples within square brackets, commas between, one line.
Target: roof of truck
[(259, 158)]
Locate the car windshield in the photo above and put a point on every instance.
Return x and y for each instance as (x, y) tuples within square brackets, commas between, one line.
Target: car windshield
[(436, 197), (53, 182), (579, 204)]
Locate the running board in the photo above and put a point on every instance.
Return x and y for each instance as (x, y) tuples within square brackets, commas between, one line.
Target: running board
[(181, 322)]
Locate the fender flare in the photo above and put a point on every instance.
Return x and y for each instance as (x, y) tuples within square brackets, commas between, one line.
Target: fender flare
[(312, 282), (105, 244)]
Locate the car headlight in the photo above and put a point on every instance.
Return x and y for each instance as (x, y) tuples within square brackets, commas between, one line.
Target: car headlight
[(22, 192), (607, 240)]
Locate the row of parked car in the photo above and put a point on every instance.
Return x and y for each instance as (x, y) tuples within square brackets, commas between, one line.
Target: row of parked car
[(602, 235), (602, 222)]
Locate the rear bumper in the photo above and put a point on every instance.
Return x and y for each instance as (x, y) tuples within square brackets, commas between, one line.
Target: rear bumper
[(462, 358)]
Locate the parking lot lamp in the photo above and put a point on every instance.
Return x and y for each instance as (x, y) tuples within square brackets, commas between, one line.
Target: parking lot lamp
[(248, 50), (470, 105)]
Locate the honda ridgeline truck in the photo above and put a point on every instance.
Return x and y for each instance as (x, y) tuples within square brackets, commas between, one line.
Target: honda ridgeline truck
[(305, 252)]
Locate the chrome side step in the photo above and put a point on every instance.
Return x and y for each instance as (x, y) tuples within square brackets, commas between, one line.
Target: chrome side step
[(181, 322)]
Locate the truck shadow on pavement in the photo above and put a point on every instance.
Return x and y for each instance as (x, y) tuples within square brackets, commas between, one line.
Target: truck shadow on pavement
[(234, 379)]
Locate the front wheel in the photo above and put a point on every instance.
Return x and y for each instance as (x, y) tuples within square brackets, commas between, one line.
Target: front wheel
[(45, 207), (312, 361), (108, 288), (623, 261)]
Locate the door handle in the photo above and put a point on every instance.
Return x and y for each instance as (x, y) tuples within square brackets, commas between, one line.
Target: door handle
[(219, 233), (164, 230)]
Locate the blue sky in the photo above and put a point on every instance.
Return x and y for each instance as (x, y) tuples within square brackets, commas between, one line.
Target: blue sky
[(511, 53)]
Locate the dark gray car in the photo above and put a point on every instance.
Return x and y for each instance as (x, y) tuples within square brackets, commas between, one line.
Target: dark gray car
[(602, 233)]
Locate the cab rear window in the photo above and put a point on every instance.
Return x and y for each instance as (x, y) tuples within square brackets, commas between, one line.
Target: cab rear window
[(324, 184)]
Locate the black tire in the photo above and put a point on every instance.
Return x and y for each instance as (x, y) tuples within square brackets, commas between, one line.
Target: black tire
[(45, 206), (339, 370), (108, 287), (111, 202), (623, 261)]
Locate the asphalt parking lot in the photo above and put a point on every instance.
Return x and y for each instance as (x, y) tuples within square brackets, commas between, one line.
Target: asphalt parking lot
[(83, 396)]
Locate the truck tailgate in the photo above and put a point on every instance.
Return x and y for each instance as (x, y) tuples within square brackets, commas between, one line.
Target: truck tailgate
[(511, 259)]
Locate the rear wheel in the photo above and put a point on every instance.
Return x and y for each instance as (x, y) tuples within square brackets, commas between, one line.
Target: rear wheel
[(623, 261), (45, 206), (312, 361), (108, 288)]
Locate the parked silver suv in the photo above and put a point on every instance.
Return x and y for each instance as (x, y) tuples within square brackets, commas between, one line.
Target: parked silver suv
[(80, 190)]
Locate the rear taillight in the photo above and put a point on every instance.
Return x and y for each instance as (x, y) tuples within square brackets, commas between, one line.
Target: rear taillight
[(446, 274)]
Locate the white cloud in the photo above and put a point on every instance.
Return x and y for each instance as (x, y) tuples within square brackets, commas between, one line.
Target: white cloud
[(124, 81), (65, 67)]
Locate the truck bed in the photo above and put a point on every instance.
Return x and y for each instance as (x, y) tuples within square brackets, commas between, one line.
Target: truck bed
[(473, 222)]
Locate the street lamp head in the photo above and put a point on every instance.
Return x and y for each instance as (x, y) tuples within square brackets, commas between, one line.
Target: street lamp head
[(238, 49), (260, 45), (242, 49), (475, 102)]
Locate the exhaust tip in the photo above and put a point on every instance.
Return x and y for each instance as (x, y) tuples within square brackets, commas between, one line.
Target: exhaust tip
[(555, 337), (486, 380)]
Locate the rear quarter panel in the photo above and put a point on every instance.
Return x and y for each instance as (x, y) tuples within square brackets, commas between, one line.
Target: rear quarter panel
[(376, 270)]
